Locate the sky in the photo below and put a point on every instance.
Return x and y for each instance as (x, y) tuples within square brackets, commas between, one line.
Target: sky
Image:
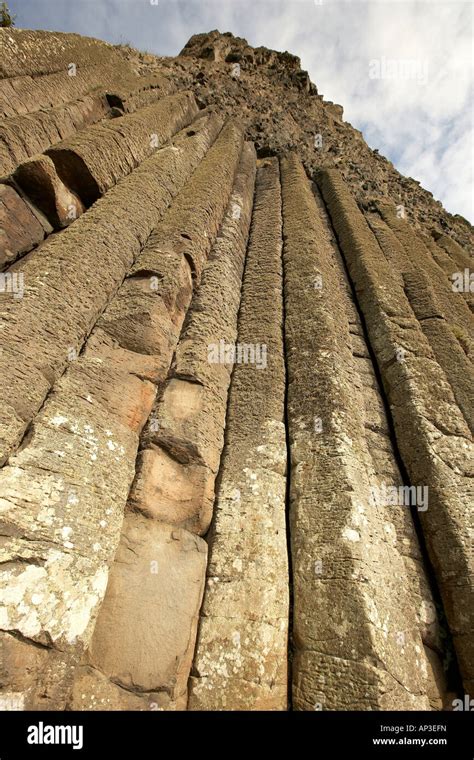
[(402, 70)]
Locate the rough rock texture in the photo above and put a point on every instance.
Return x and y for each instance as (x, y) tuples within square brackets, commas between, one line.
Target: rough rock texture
[(432, 434), (20, 230), (241, 653), (38, 179), (94, 160), (182, 443), (237, 393), (144, 638), (347, 566), (69, 299), (23, 136)]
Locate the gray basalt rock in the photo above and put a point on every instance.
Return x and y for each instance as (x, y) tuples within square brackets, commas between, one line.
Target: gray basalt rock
[(432, 434)]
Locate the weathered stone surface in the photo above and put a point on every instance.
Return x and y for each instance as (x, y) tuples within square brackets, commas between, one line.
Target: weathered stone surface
[(26, 52), (147, 90), (455, 310), (20, 230), (117, 347), (93, 160), (271, 95), (450, 353), (61, 508), (349, 607), (191, 227), (39, 180), (432, 435), (92, 690), (141, 357), (441, 324), (26, 94), (241, 654), (454, 250), (23, 136), (65, 290), (455, 261), (79, 464), (185, 434), (145, 633), (151, 305)]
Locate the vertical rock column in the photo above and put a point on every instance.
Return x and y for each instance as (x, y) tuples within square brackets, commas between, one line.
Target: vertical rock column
[(241, 654), (182, 443), (156, 584), (443, 316), (68, 286), (355, 630), (432, 435), (63, 494)]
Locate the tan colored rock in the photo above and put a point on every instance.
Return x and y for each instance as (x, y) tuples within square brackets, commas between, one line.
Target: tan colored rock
[(93, 160), (432, 307), (62, 502), (26, 94), (149, 310), (65, 290), (455, 310), (241, 653), (94, 691), (192, 225), (185, 434), (26, 52), (24, 136), (432, 435), (353, 610), (151, 611), (39, 180), (147, 90), (65, 492), (117, 348), (79, 465), (177, 492), (138, 353), (454, 250)]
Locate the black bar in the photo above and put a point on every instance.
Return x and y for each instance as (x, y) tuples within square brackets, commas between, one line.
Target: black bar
[(318, 734)]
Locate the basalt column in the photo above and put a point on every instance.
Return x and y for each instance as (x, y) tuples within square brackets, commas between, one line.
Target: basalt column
[(156, 583), (432, 434), (354, 617), (65, 290), (241, 654)]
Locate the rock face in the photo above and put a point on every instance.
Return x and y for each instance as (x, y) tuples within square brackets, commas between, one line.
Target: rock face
[(237, 393)]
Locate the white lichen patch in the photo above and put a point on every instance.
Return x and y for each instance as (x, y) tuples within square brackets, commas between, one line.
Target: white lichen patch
[(58, 420), (350, 534), (56, 600)]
